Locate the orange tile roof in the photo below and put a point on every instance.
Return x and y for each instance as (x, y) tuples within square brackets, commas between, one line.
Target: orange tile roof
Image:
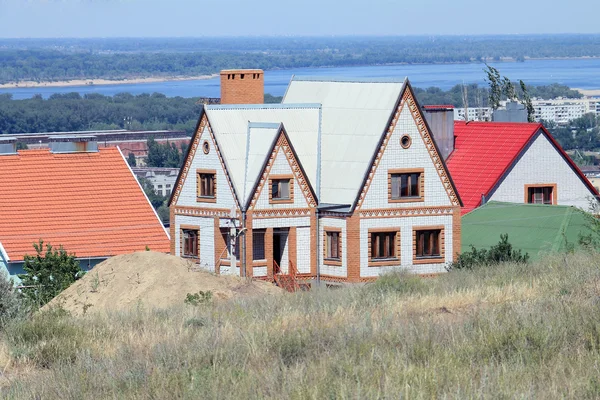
[(90, 203)]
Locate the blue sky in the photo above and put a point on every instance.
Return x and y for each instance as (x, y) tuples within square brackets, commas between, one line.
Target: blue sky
[(156, 18)]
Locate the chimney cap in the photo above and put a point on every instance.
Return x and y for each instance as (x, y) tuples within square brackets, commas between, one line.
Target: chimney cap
[(241, 71)]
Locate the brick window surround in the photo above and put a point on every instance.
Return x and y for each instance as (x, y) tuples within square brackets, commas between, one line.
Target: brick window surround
[(398, 176), (541, 191), (225, 257), (189, 241), (388, 240), (203, 187), (330, 235), (258, 245), (436, 243), (273, 181)]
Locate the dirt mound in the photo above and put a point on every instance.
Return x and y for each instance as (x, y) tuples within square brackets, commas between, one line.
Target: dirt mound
[(154, 280)]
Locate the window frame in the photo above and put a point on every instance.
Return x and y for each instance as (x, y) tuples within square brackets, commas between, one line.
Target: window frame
[(260, 261), (387, 261), (289, 200), (420, 185), (554, 192), (199, 197), (429, 259), (327, 259), (225, 257), (182, 244)]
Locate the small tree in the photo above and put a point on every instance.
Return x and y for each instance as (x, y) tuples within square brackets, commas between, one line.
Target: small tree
[(131, 160), (527, 102), (11, 304), (494, 80), (48, 273)]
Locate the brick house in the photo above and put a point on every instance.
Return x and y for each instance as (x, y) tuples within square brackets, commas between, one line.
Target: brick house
[(516, 163), (341, 182), (74, 195)]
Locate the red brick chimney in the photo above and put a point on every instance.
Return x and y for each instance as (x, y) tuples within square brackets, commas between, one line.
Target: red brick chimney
[(242, 86)]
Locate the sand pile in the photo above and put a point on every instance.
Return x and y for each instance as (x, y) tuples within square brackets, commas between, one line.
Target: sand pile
[(154, 280)]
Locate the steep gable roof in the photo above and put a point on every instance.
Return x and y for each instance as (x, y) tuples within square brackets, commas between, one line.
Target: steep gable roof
[(485, 152), (356, 113), (239, 133), (90, 203)]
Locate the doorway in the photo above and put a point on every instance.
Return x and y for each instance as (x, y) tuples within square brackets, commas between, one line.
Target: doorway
[(280, 250)]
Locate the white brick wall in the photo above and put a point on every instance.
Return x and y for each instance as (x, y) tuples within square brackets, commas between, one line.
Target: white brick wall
[(280, 222), (339, 271), (303, 249), (543, 164), (209, 161), (416, 156), (260, 272), (281, 166), (207, 238), (406, 242)]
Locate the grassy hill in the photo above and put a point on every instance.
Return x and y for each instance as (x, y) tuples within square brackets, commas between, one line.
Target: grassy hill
[(510, 331)]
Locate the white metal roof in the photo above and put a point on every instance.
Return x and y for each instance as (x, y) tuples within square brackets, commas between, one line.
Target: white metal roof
[(235, 126), (259, 142), (354, 117)]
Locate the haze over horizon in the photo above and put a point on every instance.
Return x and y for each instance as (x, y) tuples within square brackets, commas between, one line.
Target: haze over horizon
[(196, 18)]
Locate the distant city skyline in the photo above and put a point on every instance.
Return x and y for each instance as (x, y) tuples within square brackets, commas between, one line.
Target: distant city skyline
[(193, 18)]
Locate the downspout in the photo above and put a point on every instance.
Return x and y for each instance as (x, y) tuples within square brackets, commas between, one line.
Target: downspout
[(243, 260), (318, 235)]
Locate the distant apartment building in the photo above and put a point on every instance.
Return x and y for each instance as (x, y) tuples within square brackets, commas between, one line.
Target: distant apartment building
[(483, 114), (162, 179), (561, 111)]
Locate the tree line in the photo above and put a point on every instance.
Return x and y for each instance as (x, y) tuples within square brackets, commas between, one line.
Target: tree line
[(68, 59)]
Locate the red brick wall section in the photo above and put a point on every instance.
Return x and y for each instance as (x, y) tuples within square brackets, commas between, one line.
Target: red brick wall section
[(456, 232), (313, 242), (219, 245), (172, 228), (292, 248), (269, 251), (353, 247), (242, 86)]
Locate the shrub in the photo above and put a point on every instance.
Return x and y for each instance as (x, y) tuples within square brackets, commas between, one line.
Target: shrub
[(502, 252), (195, 299), (11, 303), (48, 273)]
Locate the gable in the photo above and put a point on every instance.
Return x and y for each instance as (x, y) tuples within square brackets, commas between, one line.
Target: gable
[(198, 160), (542, 163), (283, 164), (420, 156)]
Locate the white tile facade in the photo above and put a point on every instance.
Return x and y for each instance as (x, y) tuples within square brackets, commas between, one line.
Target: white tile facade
[(333, 270), (406, 243), (281, 166), (396, 157), (303, 249), (210, 161), (540, 164), (207, 239)]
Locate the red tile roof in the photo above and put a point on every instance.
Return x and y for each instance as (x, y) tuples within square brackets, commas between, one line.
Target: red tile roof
[(485, 151), (90, 203)]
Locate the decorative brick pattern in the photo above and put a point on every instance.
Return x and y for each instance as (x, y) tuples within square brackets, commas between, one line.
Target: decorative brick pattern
[(303, 246), (333, 268)]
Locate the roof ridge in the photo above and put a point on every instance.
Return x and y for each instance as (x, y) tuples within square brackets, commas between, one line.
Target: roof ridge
[(271, 106), (348, 80)]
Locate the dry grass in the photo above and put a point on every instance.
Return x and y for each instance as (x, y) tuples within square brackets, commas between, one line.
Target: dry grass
[(510, 331)]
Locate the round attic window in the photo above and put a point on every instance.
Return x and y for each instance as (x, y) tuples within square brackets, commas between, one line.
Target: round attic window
[(405, 141), (206, 147)]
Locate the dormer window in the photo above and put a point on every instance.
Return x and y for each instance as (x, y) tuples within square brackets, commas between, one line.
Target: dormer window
[(281, 189)]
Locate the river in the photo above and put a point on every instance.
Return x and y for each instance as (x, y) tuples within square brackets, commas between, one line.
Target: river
[(575, 73)]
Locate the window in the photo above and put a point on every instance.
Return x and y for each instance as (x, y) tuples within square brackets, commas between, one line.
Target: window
[(168, 189), (405, 185), (227, 240), (190, 242), (258, 244), (281, 189), (207, 185), (159, 190), (383, 245), (540, 195), (428, 243), (333, 245)]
